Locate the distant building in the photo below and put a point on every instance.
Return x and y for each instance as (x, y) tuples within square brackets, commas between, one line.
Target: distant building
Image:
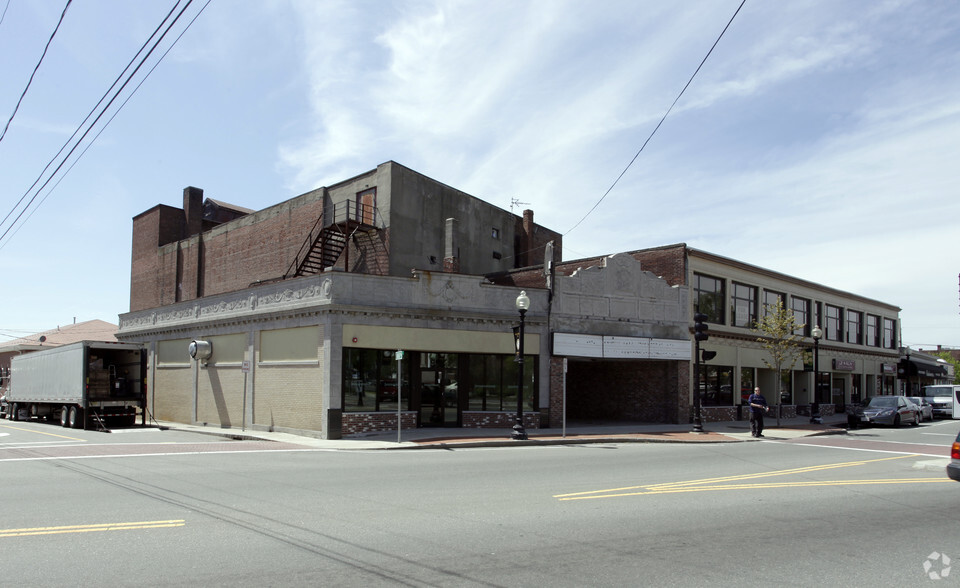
[(858, 351), (95, 330)]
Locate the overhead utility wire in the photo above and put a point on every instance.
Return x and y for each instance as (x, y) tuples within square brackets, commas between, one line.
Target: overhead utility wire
[(37, 67), (104, 127), (612, 186), (90, 127), (92, 111)]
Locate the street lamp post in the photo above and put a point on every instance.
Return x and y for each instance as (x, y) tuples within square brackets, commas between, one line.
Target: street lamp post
[(523, 303), (907, 369), (817, 333)]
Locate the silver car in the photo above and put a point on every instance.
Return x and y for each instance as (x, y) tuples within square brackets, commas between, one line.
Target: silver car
[(886, 410), (926, 409)]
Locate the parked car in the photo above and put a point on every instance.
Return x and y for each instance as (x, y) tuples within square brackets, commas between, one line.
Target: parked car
[(885, 410), (953, 468), (926, 409)]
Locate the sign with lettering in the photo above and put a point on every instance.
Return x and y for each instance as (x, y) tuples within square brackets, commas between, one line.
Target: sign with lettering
[(847, 365)]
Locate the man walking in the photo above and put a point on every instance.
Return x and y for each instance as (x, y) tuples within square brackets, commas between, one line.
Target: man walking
[(758, 406)]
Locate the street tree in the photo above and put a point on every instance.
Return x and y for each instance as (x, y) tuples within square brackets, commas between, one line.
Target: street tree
[(949, 358), (778, 328)]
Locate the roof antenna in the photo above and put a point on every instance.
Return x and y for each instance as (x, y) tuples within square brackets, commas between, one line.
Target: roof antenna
[(516, 202)]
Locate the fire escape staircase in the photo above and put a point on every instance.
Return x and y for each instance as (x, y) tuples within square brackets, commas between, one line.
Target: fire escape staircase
[(326, 243)]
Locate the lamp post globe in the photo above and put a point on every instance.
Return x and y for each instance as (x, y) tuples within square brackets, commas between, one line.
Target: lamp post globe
[(523, 303)]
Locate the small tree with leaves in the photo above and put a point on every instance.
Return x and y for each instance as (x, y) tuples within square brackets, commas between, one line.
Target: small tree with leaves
[(778, 327), (947, 357)]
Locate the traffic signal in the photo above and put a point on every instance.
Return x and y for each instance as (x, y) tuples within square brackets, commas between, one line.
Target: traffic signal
[(707, 355), (700, 327)]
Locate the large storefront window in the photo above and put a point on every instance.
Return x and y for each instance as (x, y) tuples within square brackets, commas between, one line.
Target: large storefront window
[(716, 385), (493, 383), (370, 380), (747, 378), (438, 385), (709, 298), (743, 305)]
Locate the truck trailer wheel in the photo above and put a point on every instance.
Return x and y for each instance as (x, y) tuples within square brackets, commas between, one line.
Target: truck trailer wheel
[(75, 418), (64, 416), (14, 412)]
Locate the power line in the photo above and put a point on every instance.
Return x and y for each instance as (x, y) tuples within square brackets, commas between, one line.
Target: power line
[(37, 67), (104, 127), (104, 110), (652, 133)]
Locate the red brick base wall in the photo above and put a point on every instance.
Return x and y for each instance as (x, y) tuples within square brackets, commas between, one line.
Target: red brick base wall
[(498, 420), (357, 423)]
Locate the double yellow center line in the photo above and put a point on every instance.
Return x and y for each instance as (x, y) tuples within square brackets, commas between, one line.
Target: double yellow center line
[(742, 482), (91, 528)]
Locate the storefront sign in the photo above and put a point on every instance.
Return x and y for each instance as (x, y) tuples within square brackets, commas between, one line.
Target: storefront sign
[(847, 365), (573, 345), (577, 345), (886, 368)]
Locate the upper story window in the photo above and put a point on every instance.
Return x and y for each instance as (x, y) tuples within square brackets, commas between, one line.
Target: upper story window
[(743, 305), (854, 327), (889, 334), (770, 301), (708, 297), (801, 314), (872, 334), (833, 329)]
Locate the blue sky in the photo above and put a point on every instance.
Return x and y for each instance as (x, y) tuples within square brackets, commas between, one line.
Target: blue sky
[(819, 139)]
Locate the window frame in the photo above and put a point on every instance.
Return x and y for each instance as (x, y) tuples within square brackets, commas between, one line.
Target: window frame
[(716, 297), (833, 327), (751, 299), (854, 321)]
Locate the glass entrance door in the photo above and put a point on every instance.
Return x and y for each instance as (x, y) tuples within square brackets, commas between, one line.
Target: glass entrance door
[(439, 405)]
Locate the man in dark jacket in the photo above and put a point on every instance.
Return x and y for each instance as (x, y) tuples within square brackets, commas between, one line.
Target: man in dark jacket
[(758, 406)]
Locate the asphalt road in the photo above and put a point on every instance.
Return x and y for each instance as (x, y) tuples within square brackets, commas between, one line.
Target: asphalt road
[(173, 508)]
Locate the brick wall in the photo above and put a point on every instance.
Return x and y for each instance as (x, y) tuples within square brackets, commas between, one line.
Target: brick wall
[(498, 420), (358, 423), (165, 269), (638, 391)]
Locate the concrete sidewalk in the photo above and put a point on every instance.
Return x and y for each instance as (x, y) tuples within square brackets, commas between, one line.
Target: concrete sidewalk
[(444, 438)]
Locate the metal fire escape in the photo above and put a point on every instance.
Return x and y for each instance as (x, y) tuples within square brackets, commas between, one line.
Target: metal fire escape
[(327, 241)]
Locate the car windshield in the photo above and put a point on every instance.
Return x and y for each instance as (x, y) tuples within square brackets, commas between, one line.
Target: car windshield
[(916, 400), (882, 402)]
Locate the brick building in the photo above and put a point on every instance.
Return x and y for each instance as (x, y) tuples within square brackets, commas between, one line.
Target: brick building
[(306, 303), (857, 355)]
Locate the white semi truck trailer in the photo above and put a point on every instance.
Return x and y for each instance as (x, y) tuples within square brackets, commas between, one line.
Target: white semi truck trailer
[(84, 384)]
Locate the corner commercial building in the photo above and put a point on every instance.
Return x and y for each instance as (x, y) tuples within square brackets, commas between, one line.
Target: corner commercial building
[(306, 303)]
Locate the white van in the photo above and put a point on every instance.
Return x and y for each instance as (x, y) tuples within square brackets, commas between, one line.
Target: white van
[(945, 399)]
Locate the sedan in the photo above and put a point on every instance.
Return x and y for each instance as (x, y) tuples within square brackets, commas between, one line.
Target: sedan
[(886, 410), (953, 468), (926, 409)]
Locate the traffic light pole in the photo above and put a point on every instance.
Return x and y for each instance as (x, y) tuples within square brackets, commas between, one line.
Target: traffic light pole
[(697, 422), (699, 334)]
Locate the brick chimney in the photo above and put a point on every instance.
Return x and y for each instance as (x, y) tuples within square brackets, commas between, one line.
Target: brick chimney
[(451, 247), (192, 211)]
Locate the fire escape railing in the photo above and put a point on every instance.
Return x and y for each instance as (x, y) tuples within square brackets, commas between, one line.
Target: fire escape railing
[(326, 241)]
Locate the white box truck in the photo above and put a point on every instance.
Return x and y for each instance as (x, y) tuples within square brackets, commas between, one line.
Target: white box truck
[(944, 398), (82, 384)]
